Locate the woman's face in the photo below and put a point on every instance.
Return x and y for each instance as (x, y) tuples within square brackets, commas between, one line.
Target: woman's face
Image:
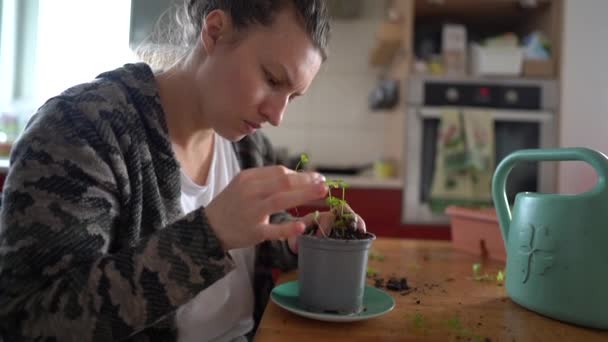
[(245, 83)]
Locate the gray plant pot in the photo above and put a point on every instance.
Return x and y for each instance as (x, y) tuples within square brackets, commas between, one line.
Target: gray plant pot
[(331, 273)]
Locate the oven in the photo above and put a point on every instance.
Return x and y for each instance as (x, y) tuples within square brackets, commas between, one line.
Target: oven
[(523, 114)]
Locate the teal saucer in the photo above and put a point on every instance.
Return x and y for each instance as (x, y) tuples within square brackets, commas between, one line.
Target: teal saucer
[(375, 302)]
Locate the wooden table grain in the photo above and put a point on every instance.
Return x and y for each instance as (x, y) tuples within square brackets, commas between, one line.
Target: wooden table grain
[(446, 304)]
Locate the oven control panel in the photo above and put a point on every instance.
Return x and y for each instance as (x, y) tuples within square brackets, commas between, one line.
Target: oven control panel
[(523, 97)]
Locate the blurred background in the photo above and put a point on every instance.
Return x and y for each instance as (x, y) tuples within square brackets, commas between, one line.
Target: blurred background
[(417, 103)]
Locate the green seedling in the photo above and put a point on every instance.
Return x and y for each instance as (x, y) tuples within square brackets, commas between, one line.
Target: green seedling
[(454, 323), (476, 269), (345, 221), (337, 206), (500, 276), (303, 161), (333, 201), (315, 218), (300, 166), (375, 255), (457, 327), (371, 272), (418, 320), (477, 276)]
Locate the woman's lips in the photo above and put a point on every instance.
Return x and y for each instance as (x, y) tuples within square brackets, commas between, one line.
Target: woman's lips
[(252, 126)]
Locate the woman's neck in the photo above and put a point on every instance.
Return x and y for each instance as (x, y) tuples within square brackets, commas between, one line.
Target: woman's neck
[(192, 139)]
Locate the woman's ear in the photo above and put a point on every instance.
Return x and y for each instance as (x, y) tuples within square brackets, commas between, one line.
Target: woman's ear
[(216, 24)]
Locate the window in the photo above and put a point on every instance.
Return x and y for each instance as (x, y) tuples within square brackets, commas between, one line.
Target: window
[(7, 50), (46, 46), (77, 40)]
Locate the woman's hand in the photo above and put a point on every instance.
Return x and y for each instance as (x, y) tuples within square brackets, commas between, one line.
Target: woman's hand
[(324, 220), (240, 214)]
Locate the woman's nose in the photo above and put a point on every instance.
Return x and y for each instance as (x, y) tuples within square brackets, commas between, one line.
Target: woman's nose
[(273, 109)]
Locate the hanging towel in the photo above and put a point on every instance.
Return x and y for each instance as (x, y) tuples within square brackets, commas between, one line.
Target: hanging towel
[(464, 162)]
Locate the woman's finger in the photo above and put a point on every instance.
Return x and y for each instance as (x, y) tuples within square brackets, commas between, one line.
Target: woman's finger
[(290, 199), (283, 230), (264, 187), (323, 220), (326, 220), (309, 219), (266, 172)]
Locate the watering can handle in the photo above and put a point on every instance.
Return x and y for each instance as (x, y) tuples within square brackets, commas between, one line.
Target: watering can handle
[(596, 159)]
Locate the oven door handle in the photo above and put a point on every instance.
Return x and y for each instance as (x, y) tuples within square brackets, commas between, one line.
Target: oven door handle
[(499, 114)]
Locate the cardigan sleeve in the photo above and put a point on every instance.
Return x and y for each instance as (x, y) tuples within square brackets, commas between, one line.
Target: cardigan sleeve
[(59, 219), (254, 151)]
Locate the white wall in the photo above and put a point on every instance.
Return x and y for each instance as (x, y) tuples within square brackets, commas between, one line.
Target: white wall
[(584, 101)]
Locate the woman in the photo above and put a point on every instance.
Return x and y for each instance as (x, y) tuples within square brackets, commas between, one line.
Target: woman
[(142, 206)]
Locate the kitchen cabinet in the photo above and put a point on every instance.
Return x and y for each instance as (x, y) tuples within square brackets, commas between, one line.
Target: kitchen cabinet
[(489, 18), (475, 7), (421, 23)]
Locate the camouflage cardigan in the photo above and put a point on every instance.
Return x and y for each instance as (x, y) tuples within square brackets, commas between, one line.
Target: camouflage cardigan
[(93, 243)]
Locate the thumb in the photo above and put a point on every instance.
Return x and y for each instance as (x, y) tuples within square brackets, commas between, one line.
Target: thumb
[(283, 230), (309, 219), (361, 224)]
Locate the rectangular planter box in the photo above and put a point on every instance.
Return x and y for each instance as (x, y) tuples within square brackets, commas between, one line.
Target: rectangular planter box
[(476, 231)]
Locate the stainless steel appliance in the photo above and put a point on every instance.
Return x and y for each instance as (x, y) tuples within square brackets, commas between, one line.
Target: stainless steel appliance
[(524, 117)]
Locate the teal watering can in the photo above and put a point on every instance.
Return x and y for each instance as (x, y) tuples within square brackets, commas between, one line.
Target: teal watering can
[(557, 245)]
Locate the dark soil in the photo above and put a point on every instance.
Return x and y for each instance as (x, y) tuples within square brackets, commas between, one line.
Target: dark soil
[(395, 284), (348, 233), (400, 284)]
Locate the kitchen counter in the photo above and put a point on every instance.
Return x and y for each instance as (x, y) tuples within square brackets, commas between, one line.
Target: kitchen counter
[(368, 181), (444, 303)]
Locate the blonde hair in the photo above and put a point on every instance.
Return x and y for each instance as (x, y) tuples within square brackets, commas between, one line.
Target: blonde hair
[(178, 28), (173, 37)]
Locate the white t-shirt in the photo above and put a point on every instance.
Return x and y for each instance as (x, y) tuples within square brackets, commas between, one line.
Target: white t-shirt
[(224, 310)]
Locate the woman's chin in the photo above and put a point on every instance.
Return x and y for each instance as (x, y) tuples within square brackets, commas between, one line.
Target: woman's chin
[(232, 136)]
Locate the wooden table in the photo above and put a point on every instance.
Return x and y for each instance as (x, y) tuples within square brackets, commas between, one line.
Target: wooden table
[(446, 304)]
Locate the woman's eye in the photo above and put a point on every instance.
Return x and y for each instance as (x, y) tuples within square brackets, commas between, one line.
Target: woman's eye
[(271, 80)]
